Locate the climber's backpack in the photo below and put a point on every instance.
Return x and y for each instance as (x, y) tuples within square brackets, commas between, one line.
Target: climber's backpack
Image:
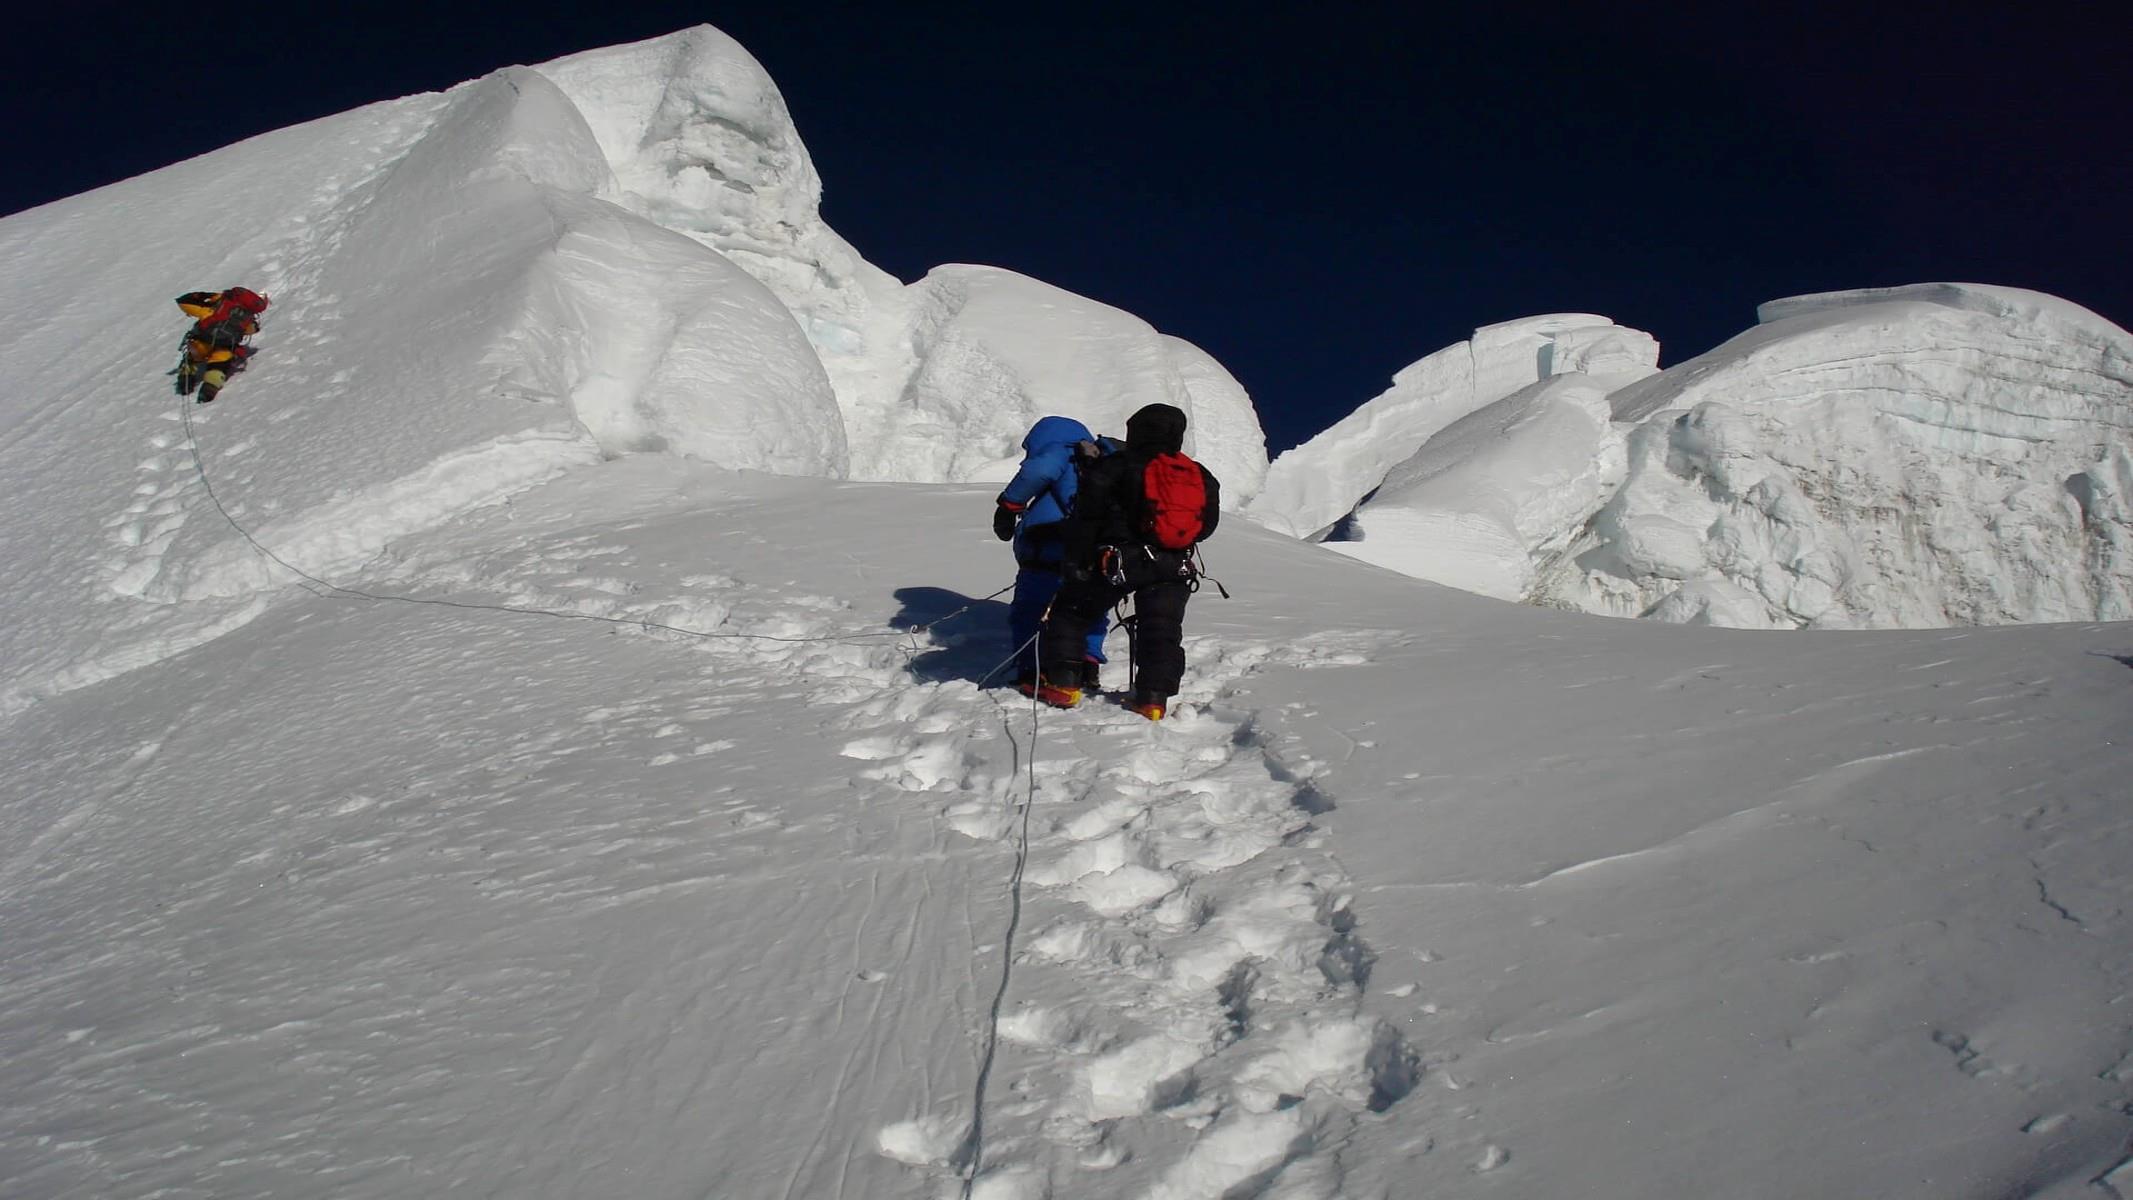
[(246, 299), (1174, 500)]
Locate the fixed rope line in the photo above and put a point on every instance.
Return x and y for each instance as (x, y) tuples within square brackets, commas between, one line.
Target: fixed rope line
[(192, 444), (970, 1156)]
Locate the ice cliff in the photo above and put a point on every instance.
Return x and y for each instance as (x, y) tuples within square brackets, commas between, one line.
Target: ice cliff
[(1314, 485), (1943, 454)]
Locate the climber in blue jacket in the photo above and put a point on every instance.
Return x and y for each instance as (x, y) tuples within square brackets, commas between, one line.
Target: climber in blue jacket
[(1029, 510)]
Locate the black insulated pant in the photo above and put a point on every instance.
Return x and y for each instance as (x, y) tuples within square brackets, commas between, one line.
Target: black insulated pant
[(1158, 631)]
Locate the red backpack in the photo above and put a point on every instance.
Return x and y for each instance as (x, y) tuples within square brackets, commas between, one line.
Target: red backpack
[(242, 305), (1174, 498)]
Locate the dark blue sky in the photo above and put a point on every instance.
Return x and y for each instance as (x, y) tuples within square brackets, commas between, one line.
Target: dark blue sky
[(1316, 194)]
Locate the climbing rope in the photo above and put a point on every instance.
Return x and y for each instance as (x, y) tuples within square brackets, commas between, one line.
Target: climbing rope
[(969, 1157)]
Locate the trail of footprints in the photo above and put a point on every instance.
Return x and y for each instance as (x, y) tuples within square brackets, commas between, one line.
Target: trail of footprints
[(167, 495), (151, 519), (1187, 979), (291, 257)]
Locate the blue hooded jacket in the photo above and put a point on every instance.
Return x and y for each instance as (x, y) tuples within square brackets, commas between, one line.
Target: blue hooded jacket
[(1044, 488)]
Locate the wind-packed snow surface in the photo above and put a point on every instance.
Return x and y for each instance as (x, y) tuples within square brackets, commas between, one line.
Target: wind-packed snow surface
[(491, 751), (1946, 454)]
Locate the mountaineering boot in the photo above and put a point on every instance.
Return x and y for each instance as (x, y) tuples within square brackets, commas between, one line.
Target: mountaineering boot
[(1057, 696), (1089, 669), (1148, 704), (1026, 684)]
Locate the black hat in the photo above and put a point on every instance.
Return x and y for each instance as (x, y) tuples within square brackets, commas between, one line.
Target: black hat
[(1157, 427)]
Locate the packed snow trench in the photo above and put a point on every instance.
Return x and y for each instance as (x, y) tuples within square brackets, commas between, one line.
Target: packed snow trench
[(513, 744)]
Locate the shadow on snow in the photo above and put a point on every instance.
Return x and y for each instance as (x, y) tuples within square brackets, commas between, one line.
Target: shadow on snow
[(970, 641)]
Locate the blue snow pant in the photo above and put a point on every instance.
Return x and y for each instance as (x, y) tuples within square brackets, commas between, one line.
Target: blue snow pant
[(1034, 589)]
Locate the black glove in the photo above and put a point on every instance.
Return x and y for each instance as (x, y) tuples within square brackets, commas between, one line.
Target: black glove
[(1003, 523)]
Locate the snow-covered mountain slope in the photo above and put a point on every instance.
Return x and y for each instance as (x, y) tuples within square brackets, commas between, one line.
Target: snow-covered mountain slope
[(1313, 486), (616, 253), (457, 316), (379, 898), (1946, 454)]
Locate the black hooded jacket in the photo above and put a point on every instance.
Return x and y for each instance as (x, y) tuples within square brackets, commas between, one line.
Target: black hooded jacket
[(1109, 508)]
